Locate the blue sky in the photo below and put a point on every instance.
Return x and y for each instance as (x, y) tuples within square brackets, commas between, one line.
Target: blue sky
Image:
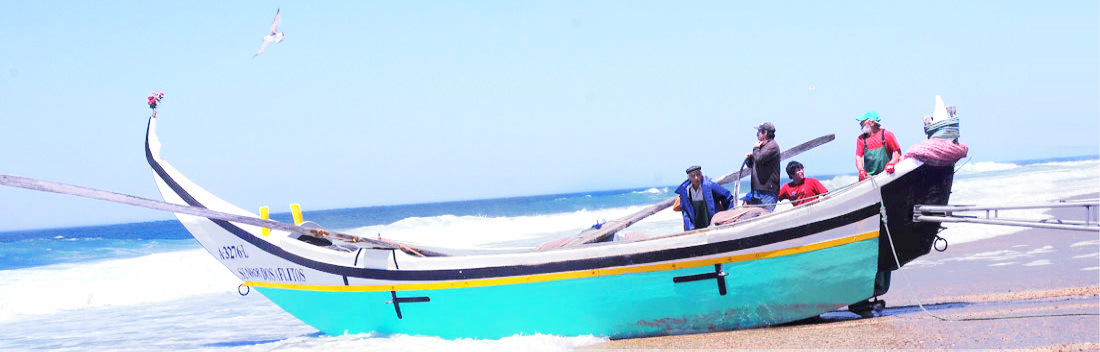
[(377, 103)]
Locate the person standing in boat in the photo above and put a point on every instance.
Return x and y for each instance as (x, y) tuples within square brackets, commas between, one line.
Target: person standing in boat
[(801, 189), (877, 149), (700, 198), (764, 162)]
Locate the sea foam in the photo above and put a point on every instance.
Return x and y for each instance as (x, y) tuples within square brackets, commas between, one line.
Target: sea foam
[(985, 166), (118, 282)]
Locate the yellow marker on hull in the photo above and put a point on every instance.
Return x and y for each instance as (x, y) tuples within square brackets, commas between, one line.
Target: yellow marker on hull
[(297, 211), (264, 215)]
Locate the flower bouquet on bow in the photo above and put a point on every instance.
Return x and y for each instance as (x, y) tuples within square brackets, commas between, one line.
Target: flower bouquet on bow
[(154, 99)]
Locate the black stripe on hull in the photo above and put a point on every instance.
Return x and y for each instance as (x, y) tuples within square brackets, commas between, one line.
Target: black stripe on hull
[(518, 270)]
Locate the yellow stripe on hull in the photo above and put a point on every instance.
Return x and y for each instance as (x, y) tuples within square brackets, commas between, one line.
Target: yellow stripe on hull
[(573, 274)]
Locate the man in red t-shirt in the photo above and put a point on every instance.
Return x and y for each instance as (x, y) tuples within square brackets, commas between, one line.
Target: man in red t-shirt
[(801, 189), (877, 149)]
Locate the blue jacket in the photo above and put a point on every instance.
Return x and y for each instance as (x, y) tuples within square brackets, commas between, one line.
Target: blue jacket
[(718, 198)]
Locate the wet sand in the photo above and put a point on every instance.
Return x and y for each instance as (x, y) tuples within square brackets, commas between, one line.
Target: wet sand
[(1036, 289)]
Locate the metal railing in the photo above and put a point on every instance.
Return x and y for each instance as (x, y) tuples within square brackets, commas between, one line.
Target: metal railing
[(947, 213)]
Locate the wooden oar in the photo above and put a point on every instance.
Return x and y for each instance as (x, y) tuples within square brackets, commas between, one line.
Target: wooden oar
[(611, 227), (63, 188), (737, 185)]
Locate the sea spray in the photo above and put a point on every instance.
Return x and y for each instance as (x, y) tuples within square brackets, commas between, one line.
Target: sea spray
[(153, 278)]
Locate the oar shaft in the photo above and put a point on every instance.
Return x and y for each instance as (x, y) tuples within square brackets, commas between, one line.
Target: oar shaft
[(64, 188)]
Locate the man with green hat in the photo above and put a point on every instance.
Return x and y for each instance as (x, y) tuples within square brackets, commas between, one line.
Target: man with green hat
[(877, 149)]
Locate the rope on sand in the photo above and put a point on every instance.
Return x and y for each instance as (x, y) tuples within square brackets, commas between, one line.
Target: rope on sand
[(890, 238)]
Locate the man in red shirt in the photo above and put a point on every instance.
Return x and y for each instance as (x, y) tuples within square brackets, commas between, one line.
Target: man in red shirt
[(801, 189), (877, 149)]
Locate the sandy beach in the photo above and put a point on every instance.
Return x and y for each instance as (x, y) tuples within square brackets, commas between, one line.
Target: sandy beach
[(1036, 289)]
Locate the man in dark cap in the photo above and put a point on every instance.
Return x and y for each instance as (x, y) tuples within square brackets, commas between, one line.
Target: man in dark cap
[(700, 198), (764, 161)]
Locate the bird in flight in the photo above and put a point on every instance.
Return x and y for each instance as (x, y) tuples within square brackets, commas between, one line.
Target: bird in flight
[(274, 36)]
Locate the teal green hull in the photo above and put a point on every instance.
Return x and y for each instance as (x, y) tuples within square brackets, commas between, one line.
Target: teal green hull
[(760, 292)]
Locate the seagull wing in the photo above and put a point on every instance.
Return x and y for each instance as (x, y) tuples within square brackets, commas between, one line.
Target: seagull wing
[(267, 40), (275, 24)]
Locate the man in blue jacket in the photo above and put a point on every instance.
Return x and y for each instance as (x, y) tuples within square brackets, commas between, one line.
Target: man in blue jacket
[(700, 198)]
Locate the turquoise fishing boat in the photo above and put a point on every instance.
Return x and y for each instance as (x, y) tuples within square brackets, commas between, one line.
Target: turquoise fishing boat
[(777, 268)]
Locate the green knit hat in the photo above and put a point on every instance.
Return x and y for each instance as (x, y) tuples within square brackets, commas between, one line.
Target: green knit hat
[(869, 115)]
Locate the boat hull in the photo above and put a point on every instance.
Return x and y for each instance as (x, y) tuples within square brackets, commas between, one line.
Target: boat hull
[(777, 268), (758, 292)]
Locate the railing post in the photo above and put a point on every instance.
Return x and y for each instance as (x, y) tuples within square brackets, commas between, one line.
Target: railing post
[(1088, 213)]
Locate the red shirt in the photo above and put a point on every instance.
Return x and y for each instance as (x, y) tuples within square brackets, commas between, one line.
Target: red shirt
[(798, 194), (875, 142)]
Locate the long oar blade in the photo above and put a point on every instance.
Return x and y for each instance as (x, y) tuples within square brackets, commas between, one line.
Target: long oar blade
[(786, 154)]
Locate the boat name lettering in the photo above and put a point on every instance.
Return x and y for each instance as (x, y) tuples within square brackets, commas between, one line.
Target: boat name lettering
[(232, 252), (273, 274)]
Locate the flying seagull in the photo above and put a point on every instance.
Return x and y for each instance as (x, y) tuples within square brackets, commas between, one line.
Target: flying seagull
[(273, 36)]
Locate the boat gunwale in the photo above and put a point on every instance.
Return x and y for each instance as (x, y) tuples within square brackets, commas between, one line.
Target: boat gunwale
[(588, 263)]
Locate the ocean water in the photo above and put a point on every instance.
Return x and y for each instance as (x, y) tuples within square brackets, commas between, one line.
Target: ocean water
[(149, 286)]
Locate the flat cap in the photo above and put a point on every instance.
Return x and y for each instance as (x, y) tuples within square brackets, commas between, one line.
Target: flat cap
[(767, 126)]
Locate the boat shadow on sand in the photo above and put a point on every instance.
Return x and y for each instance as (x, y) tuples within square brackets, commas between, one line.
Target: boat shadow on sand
[(845, 315)]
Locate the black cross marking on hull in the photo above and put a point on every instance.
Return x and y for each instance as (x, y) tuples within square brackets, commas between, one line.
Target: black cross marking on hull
[(717, 274), (397, 301)]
